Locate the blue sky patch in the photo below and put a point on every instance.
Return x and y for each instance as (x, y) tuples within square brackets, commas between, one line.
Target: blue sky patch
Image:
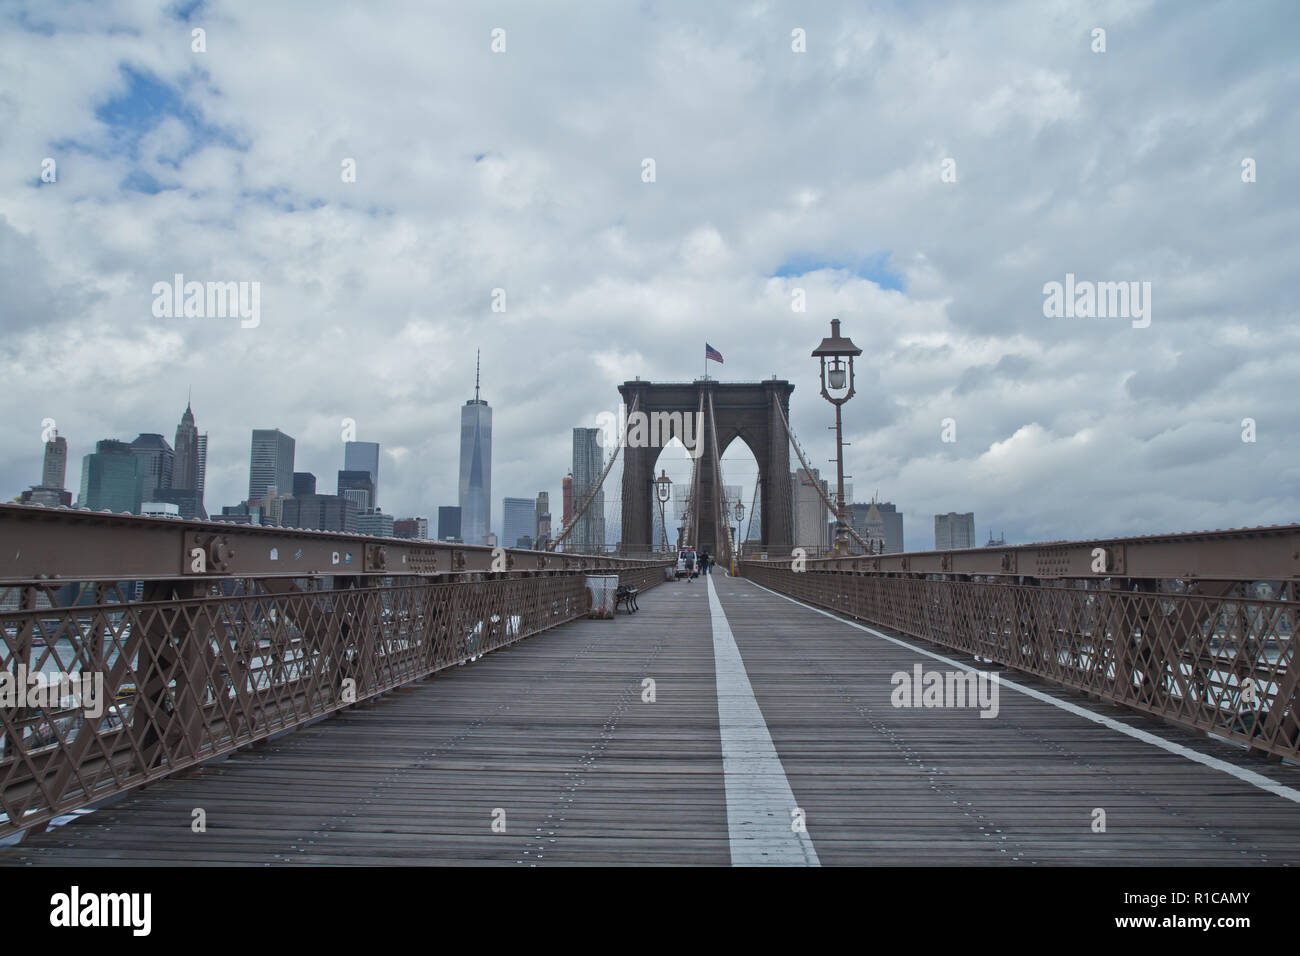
[(132, 113), (873, 268), (185, 10), (146, 102)]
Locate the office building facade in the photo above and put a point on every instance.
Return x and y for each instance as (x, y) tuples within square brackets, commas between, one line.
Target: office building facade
[(954, 530), (364, 456), (375, 522), (588, 462), (54, 470), (270, 463), (542, 521), (416, 529), (809, 510), (112, 478), (202, 441), (357, 487), (879, 522), (319, 513), (186, 500), (518, 520), (54, 467), (158, 460), (449, 523)]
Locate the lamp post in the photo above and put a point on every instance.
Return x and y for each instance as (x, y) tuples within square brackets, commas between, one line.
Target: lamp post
[(663, 491), (736, 542), (837, 349)]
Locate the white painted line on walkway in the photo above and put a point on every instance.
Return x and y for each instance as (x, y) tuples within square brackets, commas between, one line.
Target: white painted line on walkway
[(1214, 763), (760, 803)]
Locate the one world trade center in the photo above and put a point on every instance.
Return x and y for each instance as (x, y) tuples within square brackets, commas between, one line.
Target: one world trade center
[(475, 468)]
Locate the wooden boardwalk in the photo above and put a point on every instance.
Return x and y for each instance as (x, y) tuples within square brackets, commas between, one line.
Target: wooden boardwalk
[(554, 735)]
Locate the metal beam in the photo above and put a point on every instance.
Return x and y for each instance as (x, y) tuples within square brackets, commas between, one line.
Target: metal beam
[(1242, 554), (47, 544)]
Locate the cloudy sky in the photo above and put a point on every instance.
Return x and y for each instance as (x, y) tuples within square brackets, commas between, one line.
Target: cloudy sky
[(774, 171)]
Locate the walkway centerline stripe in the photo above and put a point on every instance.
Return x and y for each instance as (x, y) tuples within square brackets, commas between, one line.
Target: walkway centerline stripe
[(1241, 773), (760, 822)]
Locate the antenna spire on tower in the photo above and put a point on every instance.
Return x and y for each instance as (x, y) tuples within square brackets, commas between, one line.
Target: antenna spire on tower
[(476, 355)]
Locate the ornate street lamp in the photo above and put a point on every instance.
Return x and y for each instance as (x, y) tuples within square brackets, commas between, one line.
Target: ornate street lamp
[(663, 491), (838, 349)]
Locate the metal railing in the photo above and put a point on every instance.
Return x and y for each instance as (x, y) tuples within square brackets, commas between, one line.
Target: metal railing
[(1198, 629), (132, 648)]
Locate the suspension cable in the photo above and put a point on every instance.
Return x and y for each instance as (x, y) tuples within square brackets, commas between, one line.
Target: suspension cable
[(691, 538), (809, 472), (749, 528), (720, 513), (577, 515)]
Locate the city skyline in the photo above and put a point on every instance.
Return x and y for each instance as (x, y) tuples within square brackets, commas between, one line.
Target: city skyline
[(56, 452)]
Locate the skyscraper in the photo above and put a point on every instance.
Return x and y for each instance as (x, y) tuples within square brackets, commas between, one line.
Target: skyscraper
[(954, 531), (304, 483), (449, 522), (270, 463), (588, 462), (893, 521), (809, 510), (202, 442), (55, 470), (185, 474), (191, 463), (357, 488), (519, 518), (159, 462), (475, 467), (879, 522), (112, 478), (364, 456), (273, 507), (542, 520)]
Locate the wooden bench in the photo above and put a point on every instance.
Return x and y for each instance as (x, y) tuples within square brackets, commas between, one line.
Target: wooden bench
[(626, 595)]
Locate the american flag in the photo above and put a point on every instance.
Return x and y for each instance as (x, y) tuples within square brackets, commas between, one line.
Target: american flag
[(711, 353)]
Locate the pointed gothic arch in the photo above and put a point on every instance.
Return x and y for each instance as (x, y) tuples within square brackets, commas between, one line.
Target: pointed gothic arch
[(741, 409)]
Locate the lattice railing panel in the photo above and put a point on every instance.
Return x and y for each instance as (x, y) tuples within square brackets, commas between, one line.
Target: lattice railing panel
[(192, 669)]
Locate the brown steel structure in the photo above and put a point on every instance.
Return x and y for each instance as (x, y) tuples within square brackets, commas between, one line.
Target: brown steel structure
[(212, 636), (746, 410), (1173, 625)]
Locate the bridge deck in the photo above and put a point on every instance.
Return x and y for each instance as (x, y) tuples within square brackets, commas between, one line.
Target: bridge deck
[(554, 732)]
